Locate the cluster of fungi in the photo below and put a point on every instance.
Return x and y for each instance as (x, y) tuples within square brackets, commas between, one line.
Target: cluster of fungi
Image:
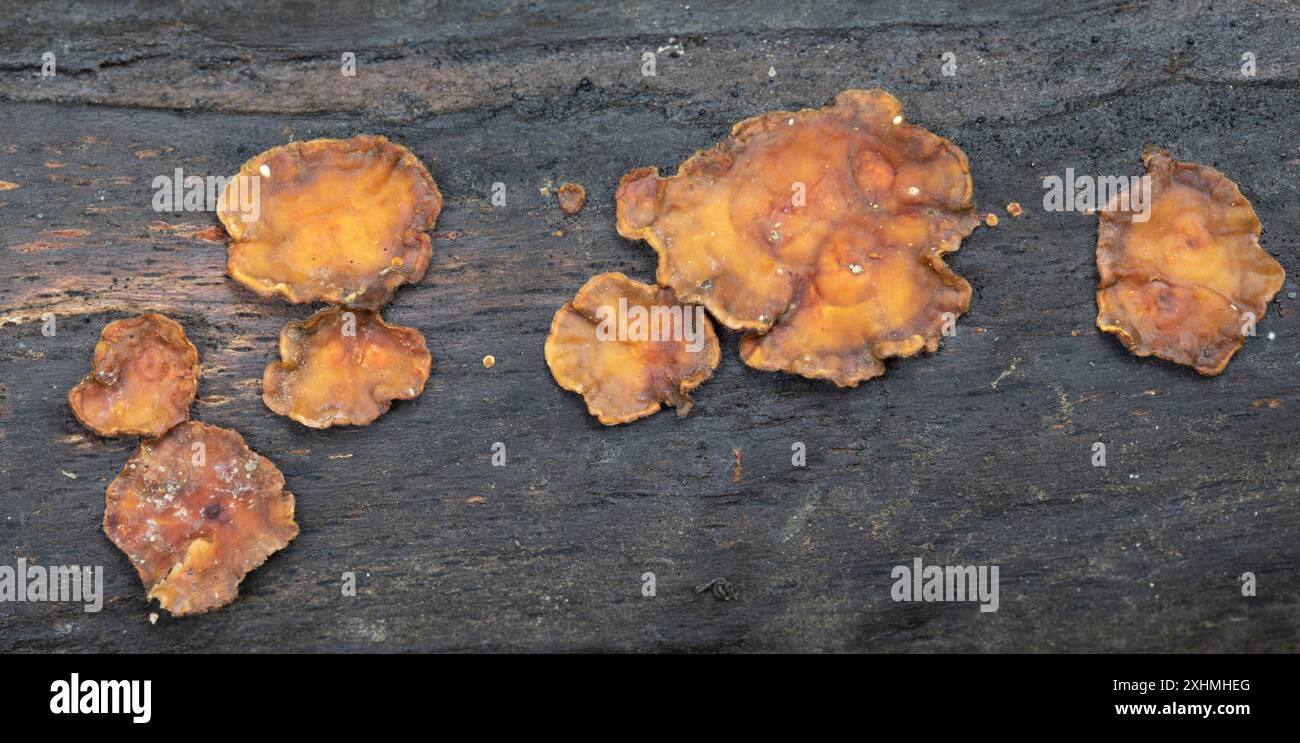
[(194, 508), (819, 234), (337, 221), (344, 222)]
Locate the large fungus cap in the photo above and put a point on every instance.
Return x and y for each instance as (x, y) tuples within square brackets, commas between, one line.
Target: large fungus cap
[(195, 511), (820, 232), (330, 220)]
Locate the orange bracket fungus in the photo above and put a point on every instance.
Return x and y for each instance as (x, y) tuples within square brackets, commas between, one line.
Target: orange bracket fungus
[(195, 511), (144, 377), (820, 232), (629, 348), (1186, 280), (329, 220), (342, 367)]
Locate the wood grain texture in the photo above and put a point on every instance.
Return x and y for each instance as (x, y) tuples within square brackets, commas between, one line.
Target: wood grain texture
[(979, 453)]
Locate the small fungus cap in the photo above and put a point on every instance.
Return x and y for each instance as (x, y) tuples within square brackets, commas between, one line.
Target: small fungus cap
[(344, 368), (630, 348), (1186, 283), (195, 511), (144, 375), (571, 196)]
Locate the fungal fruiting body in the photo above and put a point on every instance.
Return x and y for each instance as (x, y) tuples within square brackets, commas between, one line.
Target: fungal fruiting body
[(630, 348), (195, 511), (344, 367), (1185, 280), (143, 379), (330, 220), (820, 233)]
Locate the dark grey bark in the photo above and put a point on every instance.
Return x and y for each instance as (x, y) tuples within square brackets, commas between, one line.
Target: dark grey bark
[(980, 453)]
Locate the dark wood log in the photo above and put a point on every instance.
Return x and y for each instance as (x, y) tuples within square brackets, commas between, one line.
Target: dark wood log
[(977, 454)]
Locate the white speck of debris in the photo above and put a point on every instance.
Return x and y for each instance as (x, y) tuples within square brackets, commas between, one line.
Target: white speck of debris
[(771, 72), (1271, 335), (153, 615), (673, 48), (855, 268), (69, 475), (994, 384), (1133, 476), (913, 191), (264, 170), (898, 120), (791, 121)]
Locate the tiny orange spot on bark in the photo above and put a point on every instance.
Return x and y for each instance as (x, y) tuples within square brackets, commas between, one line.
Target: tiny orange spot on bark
[(571, 196)]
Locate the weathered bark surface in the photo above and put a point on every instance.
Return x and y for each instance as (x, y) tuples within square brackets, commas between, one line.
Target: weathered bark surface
[(977, 454)]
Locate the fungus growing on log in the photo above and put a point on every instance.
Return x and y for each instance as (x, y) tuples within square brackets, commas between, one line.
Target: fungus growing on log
[(195, 511), (143, 379), (344, 367), (1187, 280), (630, 348), (330, 220), (821, 233)]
